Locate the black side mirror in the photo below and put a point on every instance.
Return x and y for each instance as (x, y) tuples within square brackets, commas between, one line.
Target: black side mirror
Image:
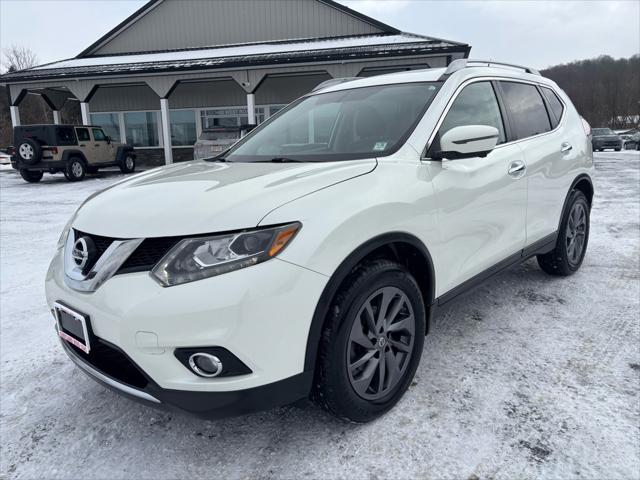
[(108, 139)]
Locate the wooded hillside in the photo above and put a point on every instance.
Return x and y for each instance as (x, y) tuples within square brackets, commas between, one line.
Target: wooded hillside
[(604, 90)]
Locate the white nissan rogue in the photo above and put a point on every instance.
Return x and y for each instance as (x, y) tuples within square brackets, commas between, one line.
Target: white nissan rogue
[(309, 258)]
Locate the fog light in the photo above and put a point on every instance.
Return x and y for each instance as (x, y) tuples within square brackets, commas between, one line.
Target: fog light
[(205, 365)]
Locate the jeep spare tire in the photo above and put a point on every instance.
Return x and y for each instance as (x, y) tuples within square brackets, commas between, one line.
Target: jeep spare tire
[(29, 151)]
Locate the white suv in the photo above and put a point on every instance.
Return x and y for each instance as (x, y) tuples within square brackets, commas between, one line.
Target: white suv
[(309, 258)]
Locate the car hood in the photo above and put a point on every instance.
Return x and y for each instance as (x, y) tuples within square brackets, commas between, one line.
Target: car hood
[(203, 197)]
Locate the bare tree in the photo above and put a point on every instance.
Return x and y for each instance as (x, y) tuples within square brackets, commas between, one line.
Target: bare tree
[(18, 58)]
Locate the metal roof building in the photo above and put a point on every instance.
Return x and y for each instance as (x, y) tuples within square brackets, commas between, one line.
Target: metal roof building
[(176, 67)]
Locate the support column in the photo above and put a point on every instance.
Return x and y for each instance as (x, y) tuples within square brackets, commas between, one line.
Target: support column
[(15, 115), (56, 117), (84, 110), (251, 108), (166, 130)]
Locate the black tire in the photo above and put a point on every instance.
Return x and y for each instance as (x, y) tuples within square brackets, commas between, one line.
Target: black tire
[(333, 385), (560, 260), (31, 176), (617, 149), (29, 151), (128, 164), (76, 169)]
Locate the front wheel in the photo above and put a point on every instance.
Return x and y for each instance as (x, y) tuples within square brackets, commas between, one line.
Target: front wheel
[(372, 342), (567, 256), (128, 165), (30, 175)]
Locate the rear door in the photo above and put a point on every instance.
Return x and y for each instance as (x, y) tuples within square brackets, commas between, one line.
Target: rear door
[(537, 118), (84, 144), (102, 148), (481, 201)]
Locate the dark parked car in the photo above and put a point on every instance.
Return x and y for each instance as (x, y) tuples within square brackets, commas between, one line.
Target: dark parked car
[(631, 140), (603, 138)]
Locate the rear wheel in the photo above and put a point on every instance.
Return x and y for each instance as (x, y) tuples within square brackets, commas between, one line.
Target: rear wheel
[(75, 170), (371, 343), (128, 164), (31, 176), (567, 256)]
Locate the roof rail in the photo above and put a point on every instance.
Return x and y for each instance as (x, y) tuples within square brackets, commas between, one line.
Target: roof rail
[(461, 63), (333, 81)]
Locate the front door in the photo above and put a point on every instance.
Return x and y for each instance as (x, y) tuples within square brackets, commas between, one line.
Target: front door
[(102, 147), (481, 202)]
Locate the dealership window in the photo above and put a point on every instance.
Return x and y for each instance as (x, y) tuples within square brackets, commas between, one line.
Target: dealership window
[(183, 127), (141, 129), (109, 123), (229, 117)]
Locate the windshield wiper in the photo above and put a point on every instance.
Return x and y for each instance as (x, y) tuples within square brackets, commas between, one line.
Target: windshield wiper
[(284, 160)]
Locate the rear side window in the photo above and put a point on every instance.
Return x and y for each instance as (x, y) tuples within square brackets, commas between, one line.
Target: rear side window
[(83, 134), (526, 108), (65, 136), (98, 135), (476, 105), (556, 105)]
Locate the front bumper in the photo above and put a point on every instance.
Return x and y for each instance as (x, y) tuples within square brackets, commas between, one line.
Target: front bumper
[(210, 405), (261, 314)]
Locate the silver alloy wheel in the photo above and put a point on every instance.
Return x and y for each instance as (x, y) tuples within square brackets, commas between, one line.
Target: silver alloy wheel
[(576, 233), (76, 169), (26, 151), (128, 162), (380, 343)]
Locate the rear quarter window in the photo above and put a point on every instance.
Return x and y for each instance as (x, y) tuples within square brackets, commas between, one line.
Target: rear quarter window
[(527, 111), (65, 136), (555, 104)]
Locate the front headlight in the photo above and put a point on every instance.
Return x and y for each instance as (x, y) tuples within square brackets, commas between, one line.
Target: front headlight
[(65, 233), (197, 258)]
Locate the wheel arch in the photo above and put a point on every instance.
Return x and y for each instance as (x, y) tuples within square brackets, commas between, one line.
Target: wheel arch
[(398, 246), (69, 154), (123, 151), (582, 183)]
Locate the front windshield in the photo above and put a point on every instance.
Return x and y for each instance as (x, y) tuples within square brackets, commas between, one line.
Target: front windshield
[(344, 125), (603, 131)]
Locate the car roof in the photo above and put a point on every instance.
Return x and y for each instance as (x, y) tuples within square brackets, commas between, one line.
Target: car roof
[(438, 74)]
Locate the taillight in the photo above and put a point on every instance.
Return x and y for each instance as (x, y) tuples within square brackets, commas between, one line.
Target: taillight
[(586, 126), (53, 150)]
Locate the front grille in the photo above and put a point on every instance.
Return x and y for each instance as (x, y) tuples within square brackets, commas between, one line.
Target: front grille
[(143, 258), (112, 362), (148, 253), (101, 243)]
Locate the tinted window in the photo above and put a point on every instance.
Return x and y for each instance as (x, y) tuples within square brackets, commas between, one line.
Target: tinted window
[(65, 136), (555, 104), (98, 135), (476, 105), (83, 134), (528, 113)]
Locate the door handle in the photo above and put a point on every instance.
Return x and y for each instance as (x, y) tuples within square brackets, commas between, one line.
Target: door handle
[(97, 144), (565, 147), (517, 169), (82, 145)]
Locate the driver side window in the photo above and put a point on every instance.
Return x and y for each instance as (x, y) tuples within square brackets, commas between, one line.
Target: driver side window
[(475, 105)]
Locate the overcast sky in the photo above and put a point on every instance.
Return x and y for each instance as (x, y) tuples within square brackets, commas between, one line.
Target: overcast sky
[(536, 33)]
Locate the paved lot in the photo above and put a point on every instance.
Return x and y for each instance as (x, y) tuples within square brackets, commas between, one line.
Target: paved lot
[(529, 376)]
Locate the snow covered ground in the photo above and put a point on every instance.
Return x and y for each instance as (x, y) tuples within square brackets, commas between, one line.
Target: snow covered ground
[(529, 376)]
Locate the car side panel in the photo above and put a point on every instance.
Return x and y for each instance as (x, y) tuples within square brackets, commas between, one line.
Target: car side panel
[(550, 172), (397, 196)]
